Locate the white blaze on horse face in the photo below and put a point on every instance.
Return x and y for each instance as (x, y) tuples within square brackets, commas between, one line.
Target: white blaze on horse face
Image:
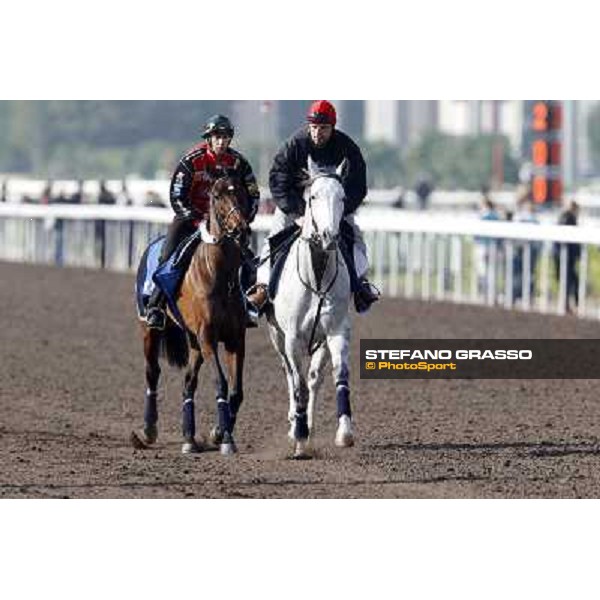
[(327, 206)]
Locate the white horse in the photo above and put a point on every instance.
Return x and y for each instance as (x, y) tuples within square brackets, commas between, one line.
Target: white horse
[(309, 319)]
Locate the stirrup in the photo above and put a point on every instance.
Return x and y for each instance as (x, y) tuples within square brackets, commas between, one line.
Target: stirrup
[(156, 318), (257, 297), (365, 296), (252, 316)]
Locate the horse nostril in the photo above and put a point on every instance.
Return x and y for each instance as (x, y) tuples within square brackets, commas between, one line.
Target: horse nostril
[(328, 240)]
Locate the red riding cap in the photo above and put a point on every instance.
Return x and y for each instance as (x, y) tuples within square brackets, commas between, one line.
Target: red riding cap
[(322, 112)]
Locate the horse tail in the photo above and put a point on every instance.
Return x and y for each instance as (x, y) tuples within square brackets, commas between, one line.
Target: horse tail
[(174, 346)]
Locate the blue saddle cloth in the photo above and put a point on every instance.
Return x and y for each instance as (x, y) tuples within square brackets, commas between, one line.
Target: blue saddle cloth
[(144, 284), (168, 276)]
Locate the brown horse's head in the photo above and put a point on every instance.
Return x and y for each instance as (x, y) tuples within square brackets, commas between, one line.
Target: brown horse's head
[(229, 207)]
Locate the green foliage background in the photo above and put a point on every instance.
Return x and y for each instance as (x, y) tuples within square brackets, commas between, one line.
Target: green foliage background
[(97, 138), (113, 139)]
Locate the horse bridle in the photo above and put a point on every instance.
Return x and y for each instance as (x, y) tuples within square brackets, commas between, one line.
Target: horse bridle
[(223, 222), (232, 233), (315, 236), (312, 240)]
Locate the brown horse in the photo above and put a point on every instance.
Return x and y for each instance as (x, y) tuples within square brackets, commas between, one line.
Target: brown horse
[(212, 307)]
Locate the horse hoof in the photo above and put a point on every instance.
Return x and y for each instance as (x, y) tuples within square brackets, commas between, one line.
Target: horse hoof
[(140, 440), (344, 438), (227, 446), (216, 436), (302, 450), (191, 448), (228, 449)]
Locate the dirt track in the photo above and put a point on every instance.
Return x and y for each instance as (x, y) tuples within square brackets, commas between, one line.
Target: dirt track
[(72, 381)]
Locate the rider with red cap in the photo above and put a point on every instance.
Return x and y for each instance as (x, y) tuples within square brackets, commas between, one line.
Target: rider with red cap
[(327, 147), (192, 181)]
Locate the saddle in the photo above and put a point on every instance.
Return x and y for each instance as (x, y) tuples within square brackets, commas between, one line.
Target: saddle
[(281, 243), (168, 276)]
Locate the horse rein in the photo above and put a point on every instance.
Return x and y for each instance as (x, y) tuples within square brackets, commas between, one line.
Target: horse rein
[(315, 236), (232, 233), (321, 294), (226, 232)]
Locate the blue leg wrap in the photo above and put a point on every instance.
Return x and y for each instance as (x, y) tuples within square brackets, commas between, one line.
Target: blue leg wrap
[(224, 415), (342, 396), (189, 421), (301, 426), (150, 409)]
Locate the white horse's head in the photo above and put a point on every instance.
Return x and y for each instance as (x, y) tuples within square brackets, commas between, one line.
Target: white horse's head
[(324, 197)]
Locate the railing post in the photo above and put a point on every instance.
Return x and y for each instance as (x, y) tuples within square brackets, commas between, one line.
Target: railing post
[(440, 265), (562, 286), (426, 282), (457, 267), (492, 256), (583, 270), (474, 271), (545, 277), (509, 278), (59, 243), (526, 279), (410, 266), (393, 260)]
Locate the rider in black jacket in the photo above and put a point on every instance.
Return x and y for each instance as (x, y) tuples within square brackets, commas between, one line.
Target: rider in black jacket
[(327, 147), (292, 159)]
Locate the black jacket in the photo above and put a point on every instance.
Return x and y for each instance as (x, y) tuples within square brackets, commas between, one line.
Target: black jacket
[(287, 170)]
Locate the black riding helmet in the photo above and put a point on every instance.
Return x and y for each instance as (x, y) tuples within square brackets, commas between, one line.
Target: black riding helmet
[(218, 124)]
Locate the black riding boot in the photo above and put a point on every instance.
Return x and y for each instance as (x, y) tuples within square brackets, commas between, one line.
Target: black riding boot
[(365, 292), (247, 280), (365, 296), (180, 228), (155, 311)]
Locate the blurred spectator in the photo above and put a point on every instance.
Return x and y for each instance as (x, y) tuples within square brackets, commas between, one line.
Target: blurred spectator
[(4, 191), (399, 201), (46, 197), (485, 193), (423, 190), (486, 249), (123, 197), (105, 196), (153, 199), (569, 217), (60, 198), (525, 214), (77, 196)]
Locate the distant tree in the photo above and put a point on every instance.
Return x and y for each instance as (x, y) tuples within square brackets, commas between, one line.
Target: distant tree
[(459, 161), (75, 139), (384, 164)]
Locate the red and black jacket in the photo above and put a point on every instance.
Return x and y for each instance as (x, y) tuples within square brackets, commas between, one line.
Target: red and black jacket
[(197, 171)]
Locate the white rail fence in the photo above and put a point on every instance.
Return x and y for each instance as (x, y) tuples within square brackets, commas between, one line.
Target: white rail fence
[(140, 191), (464, 260)]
